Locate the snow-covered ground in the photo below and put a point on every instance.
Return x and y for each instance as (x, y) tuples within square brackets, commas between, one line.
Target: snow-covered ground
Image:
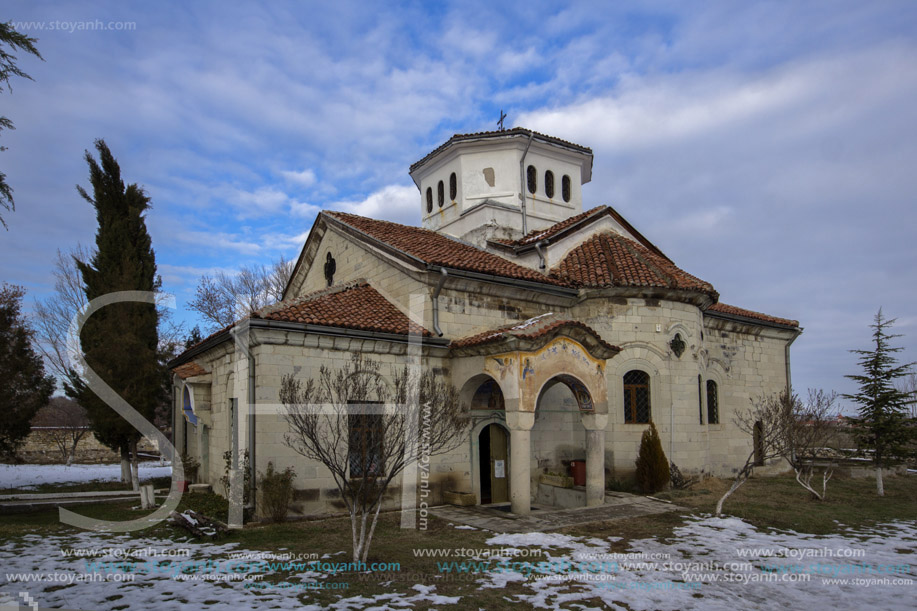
[(30, 476), (707, 564)]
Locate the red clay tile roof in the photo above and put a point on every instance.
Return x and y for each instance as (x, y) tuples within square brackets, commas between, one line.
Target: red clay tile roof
[(580, 219), (608, 259), (351, 306), (531, 328), (516, 131), (723, 308), (189, 370), (438, 249), (544, 234)]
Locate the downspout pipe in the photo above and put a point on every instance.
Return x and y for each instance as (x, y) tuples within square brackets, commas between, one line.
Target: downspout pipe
[(435, 297), (522, 183), (789, 381), (251, 422), (539, 248)]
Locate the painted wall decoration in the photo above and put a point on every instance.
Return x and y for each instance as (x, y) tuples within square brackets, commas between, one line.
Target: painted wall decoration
[(561, 358), (580, 392), (488, 396), (501, 366)]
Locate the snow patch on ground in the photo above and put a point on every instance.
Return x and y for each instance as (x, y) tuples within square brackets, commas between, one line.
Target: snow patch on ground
[(701, 566), (32, 476)]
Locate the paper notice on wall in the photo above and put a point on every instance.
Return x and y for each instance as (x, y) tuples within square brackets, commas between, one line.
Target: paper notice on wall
[(499, 469)]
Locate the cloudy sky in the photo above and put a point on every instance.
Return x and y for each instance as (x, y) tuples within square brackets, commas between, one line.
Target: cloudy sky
[(769, 148)]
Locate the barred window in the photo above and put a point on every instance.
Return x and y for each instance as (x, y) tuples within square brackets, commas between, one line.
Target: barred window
[(440, 193), (453, 187), (429, 200), (636, 397), (532, 175), (565, 188), (713, 408), (365, 445), (700, 399), (549, 183)]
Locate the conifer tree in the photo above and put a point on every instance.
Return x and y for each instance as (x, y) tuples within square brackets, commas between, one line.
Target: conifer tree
[(882, 423), (24, 387), (652, 466), (120, 341)]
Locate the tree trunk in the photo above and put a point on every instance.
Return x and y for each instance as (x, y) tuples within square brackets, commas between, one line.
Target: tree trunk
[(880, 485), (125, 465), (735, 486), (135, 471)]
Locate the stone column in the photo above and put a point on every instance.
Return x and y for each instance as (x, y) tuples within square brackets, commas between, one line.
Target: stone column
[(520, 450), (595, 425)]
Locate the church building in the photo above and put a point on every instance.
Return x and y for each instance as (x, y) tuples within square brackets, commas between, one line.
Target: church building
[(565, 330)]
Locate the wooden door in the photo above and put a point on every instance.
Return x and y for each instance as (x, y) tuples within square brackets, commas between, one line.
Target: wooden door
[(499, 466)]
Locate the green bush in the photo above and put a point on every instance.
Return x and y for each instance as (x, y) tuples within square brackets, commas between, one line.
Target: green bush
[(652, 466), (276, 492)]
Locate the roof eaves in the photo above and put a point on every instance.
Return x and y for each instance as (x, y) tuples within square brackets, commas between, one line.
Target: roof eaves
[(751, 320), (562, 290), (347, 332), (491, 135)]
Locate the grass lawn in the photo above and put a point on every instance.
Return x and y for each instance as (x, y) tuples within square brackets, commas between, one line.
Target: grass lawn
[(775, 502)]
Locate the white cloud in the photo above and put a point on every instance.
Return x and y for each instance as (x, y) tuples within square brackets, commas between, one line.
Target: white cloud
[(397, 203), (303, 178), (304, 209)]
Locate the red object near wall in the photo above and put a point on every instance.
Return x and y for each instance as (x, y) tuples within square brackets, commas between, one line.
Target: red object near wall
[(578, 471)]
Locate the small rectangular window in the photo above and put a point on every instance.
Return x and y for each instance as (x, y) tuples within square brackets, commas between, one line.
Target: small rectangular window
[(365, 432), (713, 408)]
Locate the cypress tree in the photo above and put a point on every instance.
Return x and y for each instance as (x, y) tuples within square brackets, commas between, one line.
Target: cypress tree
[(652, 473), (120, 341)]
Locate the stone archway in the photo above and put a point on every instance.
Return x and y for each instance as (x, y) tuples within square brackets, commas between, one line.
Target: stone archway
[(521, 359), (484, 396), (560, 360), (567, 428)]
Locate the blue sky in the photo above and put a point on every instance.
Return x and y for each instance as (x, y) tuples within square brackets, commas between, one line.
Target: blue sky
[(769, 148)]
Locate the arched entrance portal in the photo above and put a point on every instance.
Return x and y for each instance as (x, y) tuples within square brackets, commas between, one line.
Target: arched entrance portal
[(520, 360), (492, 460), (559, 437), (490, 441)]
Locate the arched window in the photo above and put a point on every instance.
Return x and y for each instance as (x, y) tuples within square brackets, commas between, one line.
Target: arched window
[(429, 200), (549, 183), (532, 175), (453, 187), (565, 188), (440, 194), (713, 408), (700, 399), (636, 397)]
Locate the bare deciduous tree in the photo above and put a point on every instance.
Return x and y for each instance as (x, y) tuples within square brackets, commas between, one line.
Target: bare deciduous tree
[(764, 422), (783, 426), (365, 430), (807, 427), (224, 298), (65, 422), (56, 312), (908, 385)]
